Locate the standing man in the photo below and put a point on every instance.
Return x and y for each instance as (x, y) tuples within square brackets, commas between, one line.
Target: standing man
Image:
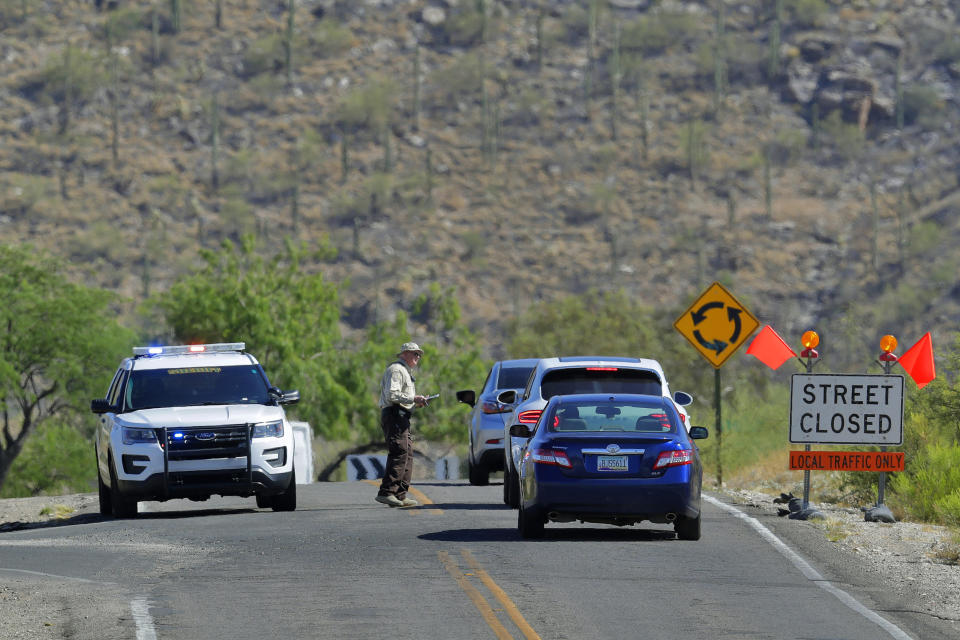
[(398, 397)]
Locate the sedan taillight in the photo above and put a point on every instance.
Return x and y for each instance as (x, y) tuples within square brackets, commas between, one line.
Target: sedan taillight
[(551, 456), (673, 459), (529, 417)]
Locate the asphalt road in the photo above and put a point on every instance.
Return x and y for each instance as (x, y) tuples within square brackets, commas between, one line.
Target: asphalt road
[(344, 566)]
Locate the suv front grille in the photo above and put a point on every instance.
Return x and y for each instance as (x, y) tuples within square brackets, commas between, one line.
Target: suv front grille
[(198, 443)]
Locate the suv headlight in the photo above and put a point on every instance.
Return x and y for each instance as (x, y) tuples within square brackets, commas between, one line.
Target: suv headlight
[(268, 429), (133, 435)]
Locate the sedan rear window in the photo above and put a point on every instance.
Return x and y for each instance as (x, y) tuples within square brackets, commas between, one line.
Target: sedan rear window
[(613, 380), (513, 377), (613, 416)]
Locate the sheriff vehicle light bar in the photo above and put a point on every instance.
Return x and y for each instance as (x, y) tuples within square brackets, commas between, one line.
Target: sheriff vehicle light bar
[(189, 348)]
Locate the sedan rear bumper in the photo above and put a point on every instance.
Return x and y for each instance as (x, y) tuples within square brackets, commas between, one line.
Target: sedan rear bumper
[(614, 500)]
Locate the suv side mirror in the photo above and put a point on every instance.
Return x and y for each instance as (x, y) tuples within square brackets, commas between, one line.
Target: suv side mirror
[(698, 433), (507, 397), (467, 396), (289, 397), (682, 398), (520, 431), (101, 405)]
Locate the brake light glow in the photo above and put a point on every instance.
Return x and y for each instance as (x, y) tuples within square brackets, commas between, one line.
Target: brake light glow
[(197, 348), (603, 369), (676, 458), (529, 417), (556, 457), (495, 441), (493, 407)]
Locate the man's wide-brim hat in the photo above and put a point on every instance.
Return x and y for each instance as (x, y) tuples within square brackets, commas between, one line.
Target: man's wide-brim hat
[(410, 346)]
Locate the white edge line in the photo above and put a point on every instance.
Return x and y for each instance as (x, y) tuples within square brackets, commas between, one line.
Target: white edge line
[(53, 575), (810, 573), (141, 616)]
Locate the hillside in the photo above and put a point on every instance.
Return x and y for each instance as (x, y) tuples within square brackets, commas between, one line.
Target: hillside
[(511, 151)]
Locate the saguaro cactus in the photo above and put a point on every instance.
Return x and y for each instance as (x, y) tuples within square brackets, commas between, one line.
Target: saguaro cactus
[(215, 142), (288, 41), (175, 15)]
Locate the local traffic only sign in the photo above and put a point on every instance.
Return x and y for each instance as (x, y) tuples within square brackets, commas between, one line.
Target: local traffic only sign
[(846, 460), (846, 409), (716, 324)]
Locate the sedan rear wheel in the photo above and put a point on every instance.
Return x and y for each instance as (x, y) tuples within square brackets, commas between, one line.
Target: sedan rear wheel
[(687, 528), (530, 523)]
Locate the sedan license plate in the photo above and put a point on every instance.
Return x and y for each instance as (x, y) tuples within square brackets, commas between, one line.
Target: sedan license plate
[(612, 463)]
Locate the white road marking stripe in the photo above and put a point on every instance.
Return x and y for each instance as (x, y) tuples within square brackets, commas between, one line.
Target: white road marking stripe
[(812, 574), (53, 575), (141, 616)]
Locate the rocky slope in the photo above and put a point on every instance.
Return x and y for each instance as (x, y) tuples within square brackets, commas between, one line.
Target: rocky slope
[(516, 155)]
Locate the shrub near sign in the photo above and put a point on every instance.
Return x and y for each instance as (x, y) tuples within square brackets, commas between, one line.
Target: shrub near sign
[(846, 409)]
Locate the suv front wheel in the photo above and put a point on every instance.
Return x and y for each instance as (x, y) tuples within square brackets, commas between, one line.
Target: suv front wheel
[(120, 505)]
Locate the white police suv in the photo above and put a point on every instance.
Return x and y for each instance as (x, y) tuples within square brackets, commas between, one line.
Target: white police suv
[(193, 421)]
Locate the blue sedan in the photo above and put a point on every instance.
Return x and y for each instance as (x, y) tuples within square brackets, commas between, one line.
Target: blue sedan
[(614, 459)]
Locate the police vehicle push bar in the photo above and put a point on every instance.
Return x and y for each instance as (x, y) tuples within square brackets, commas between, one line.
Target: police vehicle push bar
[(220, 347)]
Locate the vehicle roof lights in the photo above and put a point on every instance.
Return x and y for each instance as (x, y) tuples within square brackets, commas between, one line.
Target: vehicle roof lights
[(220, 347)]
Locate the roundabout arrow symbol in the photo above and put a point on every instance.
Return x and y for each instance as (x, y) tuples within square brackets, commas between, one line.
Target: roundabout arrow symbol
[(733, 314), (716, 345), (701, 314)]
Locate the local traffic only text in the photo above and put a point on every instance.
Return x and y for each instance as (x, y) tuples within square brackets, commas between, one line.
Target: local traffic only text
[(876, 461)]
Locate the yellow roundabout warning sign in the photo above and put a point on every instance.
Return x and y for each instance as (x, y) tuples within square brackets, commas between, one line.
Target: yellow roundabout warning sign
[(716, 324)]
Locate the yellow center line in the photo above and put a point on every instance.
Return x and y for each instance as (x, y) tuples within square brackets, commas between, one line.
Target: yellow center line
[(502, 596), (478, 600)]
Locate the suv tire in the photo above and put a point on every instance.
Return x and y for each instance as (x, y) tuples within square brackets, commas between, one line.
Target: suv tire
[(106, 506), (479, 474), (120, 505), (286, 501)]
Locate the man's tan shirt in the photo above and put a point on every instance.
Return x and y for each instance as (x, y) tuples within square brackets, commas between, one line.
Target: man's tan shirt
[(396, 386)]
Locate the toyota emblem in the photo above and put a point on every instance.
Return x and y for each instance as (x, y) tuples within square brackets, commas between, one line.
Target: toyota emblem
[(613, 448)]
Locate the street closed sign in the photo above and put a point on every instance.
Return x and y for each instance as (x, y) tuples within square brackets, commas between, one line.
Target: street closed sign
[(846, 409)]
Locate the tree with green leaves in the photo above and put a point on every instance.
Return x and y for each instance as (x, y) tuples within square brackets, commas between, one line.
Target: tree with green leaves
[(288, 316), (59, 346)]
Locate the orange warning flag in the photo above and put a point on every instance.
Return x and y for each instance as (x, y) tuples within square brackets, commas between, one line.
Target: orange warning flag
[(918, 361), (770, 349)]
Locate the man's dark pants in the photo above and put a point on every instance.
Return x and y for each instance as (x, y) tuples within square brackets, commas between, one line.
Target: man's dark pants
[(395, 422)]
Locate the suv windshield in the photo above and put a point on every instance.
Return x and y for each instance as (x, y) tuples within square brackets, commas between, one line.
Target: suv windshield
[(182, 387), (513, 377), (563, 382)]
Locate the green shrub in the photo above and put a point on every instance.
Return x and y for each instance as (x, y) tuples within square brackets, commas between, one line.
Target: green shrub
[(656, 33), (948, 49), (806, 13), (929, 490), (263, 55), (55, 460), (922, 105), (330, 38), (460, 80), (370, 106)]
